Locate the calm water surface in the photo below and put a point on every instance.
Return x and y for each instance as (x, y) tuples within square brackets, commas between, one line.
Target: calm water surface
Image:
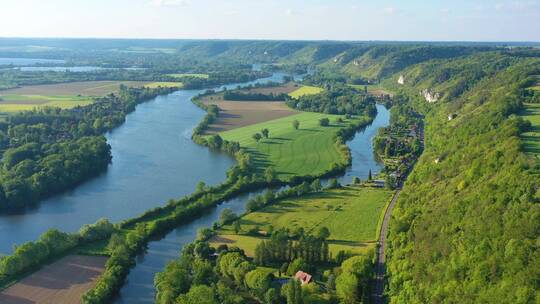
[(28, 61)]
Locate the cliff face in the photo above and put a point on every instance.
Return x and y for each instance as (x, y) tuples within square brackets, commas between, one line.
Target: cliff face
[(430, 95)]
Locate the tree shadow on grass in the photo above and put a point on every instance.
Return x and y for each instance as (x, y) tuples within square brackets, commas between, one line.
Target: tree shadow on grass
[(281, 138)]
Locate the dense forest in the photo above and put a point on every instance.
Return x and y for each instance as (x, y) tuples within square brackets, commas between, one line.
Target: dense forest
[(338, 99), (466, 225)]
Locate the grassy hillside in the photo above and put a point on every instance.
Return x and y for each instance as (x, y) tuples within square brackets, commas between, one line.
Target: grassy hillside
[(310, 150), (351, 214), (465, 228)]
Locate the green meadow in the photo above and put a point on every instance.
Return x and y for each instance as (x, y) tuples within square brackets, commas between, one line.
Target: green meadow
[(309, 150), (16, 103), (531, 139), (351, 214), (305, 90)]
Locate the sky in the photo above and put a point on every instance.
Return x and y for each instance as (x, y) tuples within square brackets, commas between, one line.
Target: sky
[(433, 20)]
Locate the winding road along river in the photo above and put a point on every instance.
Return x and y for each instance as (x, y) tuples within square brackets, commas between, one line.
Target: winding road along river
[(155, 160)]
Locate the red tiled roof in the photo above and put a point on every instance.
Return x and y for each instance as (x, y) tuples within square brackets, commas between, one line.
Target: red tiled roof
[(304, 277)]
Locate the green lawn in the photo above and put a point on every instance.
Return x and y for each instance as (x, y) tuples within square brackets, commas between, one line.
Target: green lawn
[(352, 215), (305, 90), (309, 150), (177, 75), (531, 140)]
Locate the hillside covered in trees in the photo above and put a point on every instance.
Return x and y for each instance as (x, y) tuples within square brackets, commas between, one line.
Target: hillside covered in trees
[(466, 225)]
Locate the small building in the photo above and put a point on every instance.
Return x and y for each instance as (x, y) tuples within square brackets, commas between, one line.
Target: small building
[(303, 277), (379, 183)]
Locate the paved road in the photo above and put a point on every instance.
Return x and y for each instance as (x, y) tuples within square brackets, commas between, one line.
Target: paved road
[(381, 268)]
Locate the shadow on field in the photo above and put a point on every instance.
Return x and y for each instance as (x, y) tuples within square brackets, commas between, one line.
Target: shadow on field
[(281, 138)]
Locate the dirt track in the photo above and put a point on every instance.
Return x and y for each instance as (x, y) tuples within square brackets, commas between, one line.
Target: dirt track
[(62, 282)]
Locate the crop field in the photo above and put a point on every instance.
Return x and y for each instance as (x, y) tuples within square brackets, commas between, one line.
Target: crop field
[(282, 89), (351, 214), (16, 103), (65, 95), (531, 139), (309, 150), (83, 88), (177, 75), (236, 114), (305, 90), (63, 281), (163, 84)]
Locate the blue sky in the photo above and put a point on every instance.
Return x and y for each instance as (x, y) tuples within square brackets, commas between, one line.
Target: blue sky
[(476, 20)]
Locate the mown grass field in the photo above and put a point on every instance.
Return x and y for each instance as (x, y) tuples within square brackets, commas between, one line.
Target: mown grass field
[(309, 150), (178, 75), (352, 215), (305, 90), (531, 139)]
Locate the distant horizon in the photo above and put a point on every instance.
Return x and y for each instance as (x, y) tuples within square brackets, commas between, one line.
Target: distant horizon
[(265, 39)]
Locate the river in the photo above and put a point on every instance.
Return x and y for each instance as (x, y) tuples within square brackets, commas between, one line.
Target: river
[(154, 160), (139, 287)]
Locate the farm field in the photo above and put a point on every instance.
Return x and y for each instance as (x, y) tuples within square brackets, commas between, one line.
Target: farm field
[(63, 281), (351, 214), (179, 75), (83, 88), (531, 139), (16, 103), (163, 84), (236, 114), (309, 150), (65, 95), (305, 90)]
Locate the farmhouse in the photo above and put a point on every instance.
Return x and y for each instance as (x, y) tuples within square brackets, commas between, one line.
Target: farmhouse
[(303, 277)]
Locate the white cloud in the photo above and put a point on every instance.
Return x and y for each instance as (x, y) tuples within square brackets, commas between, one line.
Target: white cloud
[(169, 2), (290, 12)]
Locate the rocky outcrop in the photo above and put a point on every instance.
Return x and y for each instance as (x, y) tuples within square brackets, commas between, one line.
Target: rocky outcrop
[(430, 95)]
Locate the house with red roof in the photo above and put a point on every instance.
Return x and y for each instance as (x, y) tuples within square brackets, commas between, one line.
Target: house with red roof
[(303, 277)]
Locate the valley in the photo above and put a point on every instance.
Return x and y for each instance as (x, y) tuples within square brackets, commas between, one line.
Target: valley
[(322, 173)]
